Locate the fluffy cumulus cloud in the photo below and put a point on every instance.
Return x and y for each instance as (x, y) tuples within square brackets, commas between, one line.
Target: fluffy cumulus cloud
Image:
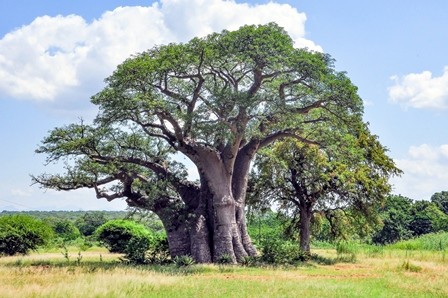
[(421, 90), (425, 172), (64, 59)]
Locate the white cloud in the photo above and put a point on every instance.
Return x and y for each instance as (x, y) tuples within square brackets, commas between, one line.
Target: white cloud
[(421, 90), (425, 172), (64, 59)]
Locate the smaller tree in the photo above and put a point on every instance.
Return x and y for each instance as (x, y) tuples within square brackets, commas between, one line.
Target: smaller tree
[(350, 173), (396, 218), (441, 200), (427, 218), (21, 233)]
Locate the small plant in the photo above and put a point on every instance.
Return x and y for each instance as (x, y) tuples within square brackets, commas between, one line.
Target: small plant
[(224, 259), (65, 253), (248, 261), (407, 266), (183, 261), (79, 258)]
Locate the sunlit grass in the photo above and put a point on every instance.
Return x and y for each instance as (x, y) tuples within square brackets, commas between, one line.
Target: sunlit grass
[(379, 273)]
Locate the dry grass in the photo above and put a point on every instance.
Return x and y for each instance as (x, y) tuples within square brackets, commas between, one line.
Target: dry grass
[(49, 275)]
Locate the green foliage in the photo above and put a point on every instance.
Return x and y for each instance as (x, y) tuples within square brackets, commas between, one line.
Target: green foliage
[(403, 219), (282, 252), (345, 179), (135, 250), (396, 217), (224, 259), (441, 200), (427, 218), (183, 261), (249, 261), (138, 243), (65, 229), (20, 233), (116, 234), (158, 251), (90, 221), (266, 225)]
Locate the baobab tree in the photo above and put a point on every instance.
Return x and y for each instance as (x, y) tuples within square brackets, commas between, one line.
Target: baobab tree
[(216, 100)]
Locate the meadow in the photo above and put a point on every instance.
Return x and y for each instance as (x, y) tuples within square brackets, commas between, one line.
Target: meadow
[(348, 271)]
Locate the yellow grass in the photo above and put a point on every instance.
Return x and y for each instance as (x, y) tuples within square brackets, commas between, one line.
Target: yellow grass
[(49, 275)]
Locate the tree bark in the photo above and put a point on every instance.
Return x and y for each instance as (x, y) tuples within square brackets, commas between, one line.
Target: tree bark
[(305, 228)]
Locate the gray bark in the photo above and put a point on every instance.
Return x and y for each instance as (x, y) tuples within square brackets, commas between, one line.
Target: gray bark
[(305, 228)]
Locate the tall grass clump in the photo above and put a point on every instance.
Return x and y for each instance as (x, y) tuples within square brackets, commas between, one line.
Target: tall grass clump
[(346, 251)]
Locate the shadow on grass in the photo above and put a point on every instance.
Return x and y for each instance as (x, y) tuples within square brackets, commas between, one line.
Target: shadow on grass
[(92, 266)]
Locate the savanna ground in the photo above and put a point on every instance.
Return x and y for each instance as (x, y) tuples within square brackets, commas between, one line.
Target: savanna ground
[(96, 273)]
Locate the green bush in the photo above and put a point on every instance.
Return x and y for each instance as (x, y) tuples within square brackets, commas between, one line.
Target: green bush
[(21, 233), (116, 234), (282, 252), (134, 240), (158, 251)]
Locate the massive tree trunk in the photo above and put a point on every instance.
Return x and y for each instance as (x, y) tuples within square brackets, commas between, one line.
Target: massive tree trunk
[(225, 213), (227, 241)]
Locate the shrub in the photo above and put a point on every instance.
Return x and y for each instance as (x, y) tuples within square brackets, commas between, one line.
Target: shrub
[(116, 234), (135, 251), (183, 261), (282, 252), (21, 233), (158, 251), (134, 240)]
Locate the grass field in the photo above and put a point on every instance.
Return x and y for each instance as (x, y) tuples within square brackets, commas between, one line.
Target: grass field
[(96, 273)]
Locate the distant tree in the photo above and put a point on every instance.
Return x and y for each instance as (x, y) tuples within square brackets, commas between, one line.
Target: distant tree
[(65, 229), (427, 218), (349, 173), (90, 221), (21, 233), (396, 217), (441, 200)]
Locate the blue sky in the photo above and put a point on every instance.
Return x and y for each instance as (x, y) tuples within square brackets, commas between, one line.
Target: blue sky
[(55, 54)]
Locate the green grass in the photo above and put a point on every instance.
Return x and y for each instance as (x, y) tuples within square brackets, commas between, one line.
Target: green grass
[(384, 272), (435, 242)]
